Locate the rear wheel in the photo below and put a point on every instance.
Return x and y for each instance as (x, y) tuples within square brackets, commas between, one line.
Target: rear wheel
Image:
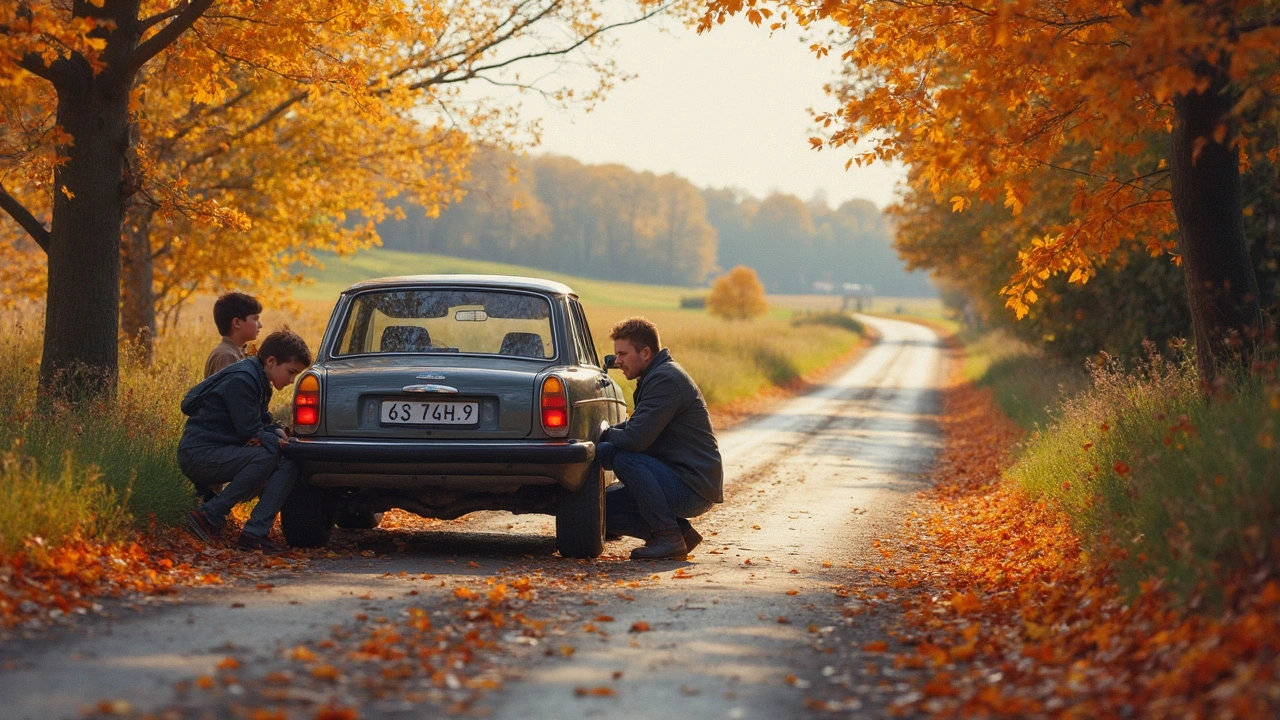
[(307, 516), (580, 517), (358, 519)]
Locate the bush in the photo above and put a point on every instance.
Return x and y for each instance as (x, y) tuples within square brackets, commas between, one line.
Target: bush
[(738, 295), (1181, 487), (832, 319)]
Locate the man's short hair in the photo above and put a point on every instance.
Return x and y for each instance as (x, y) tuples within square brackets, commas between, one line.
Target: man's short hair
[(234, 305), (285, 346), (639, 332)]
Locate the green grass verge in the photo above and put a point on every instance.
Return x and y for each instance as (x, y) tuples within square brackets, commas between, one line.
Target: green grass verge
[(1171, 483), (338, 273)]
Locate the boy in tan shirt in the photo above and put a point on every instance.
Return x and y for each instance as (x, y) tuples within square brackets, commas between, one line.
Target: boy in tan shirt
[(237, 317)]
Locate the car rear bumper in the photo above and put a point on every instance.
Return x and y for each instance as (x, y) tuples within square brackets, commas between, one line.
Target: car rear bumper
[(417, 466), (367, 452)]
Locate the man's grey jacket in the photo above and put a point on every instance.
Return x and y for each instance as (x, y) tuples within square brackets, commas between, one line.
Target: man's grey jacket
[(669, 421)]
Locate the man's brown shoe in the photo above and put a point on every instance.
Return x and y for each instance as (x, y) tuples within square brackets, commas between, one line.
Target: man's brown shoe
[(199, 525), (665, 545), (255, 542), (692, 539)]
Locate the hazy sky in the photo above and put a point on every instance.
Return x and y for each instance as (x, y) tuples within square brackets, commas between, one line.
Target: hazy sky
[(729, 108)]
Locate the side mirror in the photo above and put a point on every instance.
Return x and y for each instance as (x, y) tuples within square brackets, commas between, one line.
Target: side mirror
[(608, 362)]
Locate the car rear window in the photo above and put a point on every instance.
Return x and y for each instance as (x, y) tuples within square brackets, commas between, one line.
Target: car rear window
[(417, 321)]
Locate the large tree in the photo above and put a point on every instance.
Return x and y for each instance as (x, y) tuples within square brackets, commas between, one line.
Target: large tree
[(246, 146), (982, 95)]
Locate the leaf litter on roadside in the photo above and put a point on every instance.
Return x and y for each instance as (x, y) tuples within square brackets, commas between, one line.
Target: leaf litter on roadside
[(1003, 614)]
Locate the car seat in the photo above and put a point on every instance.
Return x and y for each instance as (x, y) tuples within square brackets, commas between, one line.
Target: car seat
[(523, 344), (405, 338)]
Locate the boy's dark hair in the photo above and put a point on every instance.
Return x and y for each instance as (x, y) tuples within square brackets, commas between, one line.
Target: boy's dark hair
[(639, 332), (285, 346), (234, 305)]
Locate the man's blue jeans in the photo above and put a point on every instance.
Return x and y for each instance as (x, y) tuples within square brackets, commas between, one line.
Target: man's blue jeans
[(651, 497), (247, 470)]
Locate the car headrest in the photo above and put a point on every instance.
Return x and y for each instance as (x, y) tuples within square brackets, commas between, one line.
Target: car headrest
[(405, 338), (524, 344)]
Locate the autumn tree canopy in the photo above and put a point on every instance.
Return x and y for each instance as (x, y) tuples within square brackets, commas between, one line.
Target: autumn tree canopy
[(219, 142), (1146, 109)]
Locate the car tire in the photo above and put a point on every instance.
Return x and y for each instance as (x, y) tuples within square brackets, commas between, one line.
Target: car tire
[(307, 517), (358, 519), (580, 517)]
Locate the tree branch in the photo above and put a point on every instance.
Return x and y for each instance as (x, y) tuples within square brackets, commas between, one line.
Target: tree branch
[(24, 218), (181, 22)]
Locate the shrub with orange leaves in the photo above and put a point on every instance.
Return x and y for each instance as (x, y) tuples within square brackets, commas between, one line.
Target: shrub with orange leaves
[(737, 295)]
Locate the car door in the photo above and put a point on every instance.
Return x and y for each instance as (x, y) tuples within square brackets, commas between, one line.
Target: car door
[(615, 408)]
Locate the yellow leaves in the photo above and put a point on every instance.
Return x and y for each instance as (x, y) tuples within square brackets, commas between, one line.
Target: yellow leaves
[(302, 653), (598, 691), (959, 203), (965, 603)]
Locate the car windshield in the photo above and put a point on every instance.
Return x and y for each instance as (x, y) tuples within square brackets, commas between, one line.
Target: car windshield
[(420, 320)]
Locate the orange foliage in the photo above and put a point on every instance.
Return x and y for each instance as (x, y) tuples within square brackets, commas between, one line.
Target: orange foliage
[(43, 583), (1009, 594), (737, 295), (984, 98)]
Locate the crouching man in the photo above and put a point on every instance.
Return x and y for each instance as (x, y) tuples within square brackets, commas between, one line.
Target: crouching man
[(230, 437), (665, 455)]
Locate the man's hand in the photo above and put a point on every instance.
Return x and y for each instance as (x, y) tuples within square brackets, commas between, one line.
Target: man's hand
[(282, 434)]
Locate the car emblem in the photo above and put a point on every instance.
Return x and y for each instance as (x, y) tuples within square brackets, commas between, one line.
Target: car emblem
[(429, 376)]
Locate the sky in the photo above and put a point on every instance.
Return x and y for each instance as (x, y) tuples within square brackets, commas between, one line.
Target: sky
[(729, 108)]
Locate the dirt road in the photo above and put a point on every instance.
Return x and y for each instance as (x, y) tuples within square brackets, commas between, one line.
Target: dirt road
[(747, 628)]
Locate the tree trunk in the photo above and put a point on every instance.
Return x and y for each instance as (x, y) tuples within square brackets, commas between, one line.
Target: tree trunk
[(137, 293), (1221, 286), (81, 351)]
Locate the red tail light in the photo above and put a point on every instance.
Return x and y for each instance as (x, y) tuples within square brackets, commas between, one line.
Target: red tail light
[(306, 405), (554, 406)]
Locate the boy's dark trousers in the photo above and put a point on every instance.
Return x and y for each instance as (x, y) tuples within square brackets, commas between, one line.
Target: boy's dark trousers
[(247, 470)]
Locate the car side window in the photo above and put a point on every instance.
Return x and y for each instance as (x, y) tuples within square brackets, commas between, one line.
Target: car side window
[(582, 336)]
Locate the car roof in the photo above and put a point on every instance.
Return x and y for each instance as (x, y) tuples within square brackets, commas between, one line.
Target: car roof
[(503, 282)]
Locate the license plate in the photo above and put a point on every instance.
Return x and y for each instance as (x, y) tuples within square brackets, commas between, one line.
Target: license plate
[(413, 412)]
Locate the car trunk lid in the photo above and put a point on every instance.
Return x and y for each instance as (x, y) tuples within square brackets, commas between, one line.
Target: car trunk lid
[(501, 398)]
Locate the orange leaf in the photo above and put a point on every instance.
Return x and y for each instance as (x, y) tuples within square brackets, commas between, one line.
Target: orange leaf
[(598, 691), (640, 626)]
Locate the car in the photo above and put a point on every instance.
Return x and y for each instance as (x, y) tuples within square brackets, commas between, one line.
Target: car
[(448, 394)]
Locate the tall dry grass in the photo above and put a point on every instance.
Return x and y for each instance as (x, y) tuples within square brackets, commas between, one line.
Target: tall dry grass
[(1177, 484), (735, 359)]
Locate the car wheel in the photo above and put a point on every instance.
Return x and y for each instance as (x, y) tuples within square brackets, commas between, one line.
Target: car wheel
[(307, 516), (358, 519), (580, 517)]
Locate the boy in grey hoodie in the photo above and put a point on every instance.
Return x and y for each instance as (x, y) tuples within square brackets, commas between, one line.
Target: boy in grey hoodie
[(230, 437)]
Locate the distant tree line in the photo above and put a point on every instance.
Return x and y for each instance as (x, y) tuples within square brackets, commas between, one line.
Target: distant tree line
[(612, 222)]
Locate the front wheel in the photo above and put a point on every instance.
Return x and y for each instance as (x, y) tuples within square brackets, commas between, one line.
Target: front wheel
[(580, 517), (307, 517)]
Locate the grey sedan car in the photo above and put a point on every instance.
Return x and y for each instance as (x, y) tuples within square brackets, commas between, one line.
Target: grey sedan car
[(447, 394)]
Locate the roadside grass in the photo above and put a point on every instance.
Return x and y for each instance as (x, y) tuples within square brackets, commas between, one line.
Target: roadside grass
[(1170, 483), (731, 360)]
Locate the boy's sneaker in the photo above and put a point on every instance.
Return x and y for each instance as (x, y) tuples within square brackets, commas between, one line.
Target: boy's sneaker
[(200, 526), (257, 542)]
